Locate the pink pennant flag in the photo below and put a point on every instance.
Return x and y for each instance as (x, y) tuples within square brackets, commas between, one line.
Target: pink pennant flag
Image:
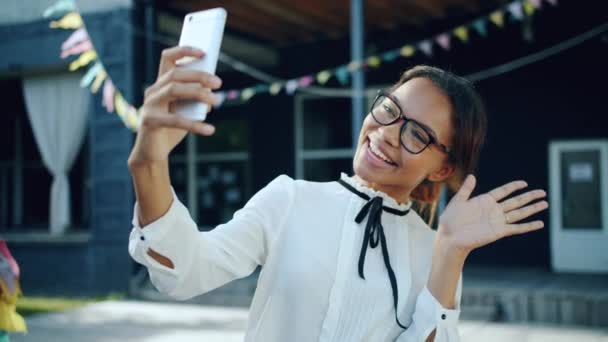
[(537, 3), (306, 81), (108, 95), (516, 10), (443, 40), (552, 2), (78, 48), (233, 94), (75, 38), (426, 46)]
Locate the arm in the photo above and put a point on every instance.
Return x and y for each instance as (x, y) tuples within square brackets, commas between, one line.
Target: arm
[(466, 224)]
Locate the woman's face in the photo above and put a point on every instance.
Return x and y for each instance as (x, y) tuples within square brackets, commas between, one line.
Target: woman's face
[(422, 101)]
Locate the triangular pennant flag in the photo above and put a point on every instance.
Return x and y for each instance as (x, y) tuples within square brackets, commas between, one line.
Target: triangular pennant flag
[(538, 4), (390, 56), (99, 78), (107, 99), (75, 38), (232, 95), (83, 60), (498, 18), (247, 93), (552, 2), (261, 88), (426, 46), (59, 8), (120, 104), (480, 26), (529, 8), (221, 96), (69, 21), (342, 75), (407, 51), (354, 66), (374, 61), (516, 10), (323, 76), (77, 49), (305, 81), (291, 86), (131, 119), (275, 88), (462, 32), (443, 40)]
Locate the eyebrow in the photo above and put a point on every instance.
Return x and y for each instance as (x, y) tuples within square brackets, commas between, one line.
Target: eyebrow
[(425, 126)]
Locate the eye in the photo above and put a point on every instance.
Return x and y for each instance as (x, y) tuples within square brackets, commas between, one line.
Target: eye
[(420, 136), (389, 109)]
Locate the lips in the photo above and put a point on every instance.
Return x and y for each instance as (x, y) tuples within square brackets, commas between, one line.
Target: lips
[(377, 153)]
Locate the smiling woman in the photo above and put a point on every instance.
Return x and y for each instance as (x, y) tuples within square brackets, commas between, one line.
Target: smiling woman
[(426, 131)]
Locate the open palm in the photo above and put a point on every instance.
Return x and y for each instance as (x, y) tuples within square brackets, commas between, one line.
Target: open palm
[(474, 222)]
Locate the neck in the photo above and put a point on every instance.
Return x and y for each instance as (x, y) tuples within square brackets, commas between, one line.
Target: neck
[(402, 196)]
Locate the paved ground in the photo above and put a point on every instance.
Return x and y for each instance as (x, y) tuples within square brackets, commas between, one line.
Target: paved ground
[(154, 322)]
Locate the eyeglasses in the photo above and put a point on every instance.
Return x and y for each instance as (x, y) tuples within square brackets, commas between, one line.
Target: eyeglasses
[(414, 136)]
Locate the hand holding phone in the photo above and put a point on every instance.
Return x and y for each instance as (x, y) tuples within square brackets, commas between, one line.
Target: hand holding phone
[(202, 30)]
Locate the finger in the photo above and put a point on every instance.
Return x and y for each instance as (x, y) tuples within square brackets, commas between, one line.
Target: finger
[(170, 55), (186, 75), (515, 229), (521, 200), (466, 189), (182, 91), (507, 189), (529, 210), (155, 119)]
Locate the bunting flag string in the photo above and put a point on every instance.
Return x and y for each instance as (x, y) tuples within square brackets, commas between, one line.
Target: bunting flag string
[(80, 45)]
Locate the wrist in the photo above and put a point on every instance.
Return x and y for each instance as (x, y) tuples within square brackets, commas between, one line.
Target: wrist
[(446, 247)]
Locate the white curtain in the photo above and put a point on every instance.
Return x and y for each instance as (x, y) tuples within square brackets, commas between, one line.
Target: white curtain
[(57, 110)]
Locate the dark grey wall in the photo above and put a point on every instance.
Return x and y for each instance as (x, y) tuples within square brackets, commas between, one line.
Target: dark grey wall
[(102, 264)]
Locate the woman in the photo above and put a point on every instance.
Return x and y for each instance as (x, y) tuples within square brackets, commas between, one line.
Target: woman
[(345, 260)]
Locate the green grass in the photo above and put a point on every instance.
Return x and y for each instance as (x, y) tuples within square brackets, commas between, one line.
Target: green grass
[(27, 306)]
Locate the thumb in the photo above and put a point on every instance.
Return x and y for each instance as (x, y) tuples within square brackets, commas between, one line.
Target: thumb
[(466, 189)]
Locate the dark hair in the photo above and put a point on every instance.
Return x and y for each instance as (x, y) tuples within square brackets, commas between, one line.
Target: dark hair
[(469, 123)]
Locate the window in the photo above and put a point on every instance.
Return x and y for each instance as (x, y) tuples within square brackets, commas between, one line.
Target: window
[(211, 175), (25, 183)]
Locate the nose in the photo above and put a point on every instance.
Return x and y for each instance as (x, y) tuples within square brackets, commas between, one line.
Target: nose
[(391, 134)]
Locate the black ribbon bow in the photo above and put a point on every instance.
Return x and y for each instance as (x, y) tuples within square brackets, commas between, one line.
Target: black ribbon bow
[(374, 235)]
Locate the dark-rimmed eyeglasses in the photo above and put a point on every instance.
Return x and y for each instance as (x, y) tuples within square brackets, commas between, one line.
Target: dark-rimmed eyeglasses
[(414, 137)]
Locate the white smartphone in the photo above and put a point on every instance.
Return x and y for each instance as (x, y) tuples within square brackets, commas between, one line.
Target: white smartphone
[(202, 30)]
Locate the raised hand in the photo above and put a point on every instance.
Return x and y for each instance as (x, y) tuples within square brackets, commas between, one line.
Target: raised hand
[(469, 223), (161, 130)]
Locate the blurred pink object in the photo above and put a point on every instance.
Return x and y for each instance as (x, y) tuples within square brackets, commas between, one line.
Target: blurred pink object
[(75, 38), (78, 48), (9, 270), (444, 40), (108, 95)]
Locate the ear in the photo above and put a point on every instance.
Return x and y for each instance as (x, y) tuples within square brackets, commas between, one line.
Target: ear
[(445, 172)]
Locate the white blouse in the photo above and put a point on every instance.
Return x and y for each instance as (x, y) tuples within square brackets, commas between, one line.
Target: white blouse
[(305, 237)]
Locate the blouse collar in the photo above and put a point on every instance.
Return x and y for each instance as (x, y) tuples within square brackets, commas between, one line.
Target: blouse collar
[(388, 200)]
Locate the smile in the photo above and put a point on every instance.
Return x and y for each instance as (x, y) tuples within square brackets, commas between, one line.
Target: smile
[(375, 152)]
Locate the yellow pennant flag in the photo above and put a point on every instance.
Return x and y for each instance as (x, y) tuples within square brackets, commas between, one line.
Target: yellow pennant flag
[(99, 78), (407, 51), (529, 8), (323, 76), (498, 18), (247, 94), (120, 105), (72, 20), (275, 88), (84, 59), (131, 119), (462, 33), (374, 61)]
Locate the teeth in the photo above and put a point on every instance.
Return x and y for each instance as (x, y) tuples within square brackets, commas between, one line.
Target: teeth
[(376, 151)]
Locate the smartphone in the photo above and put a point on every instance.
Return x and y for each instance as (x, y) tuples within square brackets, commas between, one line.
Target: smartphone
[(202, 30)]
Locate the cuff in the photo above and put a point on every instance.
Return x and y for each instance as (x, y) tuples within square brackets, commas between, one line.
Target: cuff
[(431, 314), (165, 235)]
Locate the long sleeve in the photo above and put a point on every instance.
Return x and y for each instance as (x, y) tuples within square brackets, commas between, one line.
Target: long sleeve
[(429, 315), (204, 261)]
